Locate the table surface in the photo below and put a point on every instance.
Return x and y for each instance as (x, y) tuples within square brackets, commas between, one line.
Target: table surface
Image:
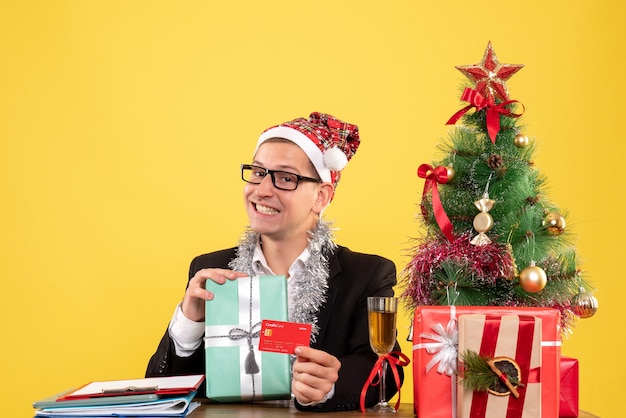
[(286, 408)]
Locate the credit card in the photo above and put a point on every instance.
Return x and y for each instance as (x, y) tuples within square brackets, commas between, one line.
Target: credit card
[(283, 337)]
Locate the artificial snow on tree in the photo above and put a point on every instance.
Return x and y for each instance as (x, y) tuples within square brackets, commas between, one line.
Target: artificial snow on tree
[(492, 236)]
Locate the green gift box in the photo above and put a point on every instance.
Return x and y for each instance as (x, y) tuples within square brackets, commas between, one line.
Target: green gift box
[(235, 369)]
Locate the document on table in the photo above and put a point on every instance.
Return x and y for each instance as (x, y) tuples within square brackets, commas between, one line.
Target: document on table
[(170, 385)]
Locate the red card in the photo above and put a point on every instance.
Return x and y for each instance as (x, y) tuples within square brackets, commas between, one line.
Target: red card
[(283, 337)]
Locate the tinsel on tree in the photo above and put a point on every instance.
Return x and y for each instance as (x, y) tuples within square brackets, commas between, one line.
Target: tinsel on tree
[(492, 235)]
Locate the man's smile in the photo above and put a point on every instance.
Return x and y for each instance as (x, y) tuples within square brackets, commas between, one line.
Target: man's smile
[(266, 210)]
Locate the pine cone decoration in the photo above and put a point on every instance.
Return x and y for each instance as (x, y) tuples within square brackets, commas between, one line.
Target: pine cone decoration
[(495, 162)]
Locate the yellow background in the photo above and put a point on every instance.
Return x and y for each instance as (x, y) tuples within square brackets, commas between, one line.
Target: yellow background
[(123, 124)]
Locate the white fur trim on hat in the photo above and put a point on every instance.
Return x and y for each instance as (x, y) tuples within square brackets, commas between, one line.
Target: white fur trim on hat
[(301, 140)]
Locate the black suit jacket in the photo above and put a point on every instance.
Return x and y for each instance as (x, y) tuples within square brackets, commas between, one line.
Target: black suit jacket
[(342, 320)]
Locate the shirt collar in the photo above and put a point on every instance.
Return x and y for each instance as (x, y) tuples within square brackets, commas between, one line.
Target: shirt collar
[(260, 266)]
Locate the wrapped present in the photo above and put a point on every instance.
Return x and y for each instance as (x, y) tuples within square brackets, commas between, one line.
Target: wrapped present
[(435, 345), (510, 348), (235, 369), (569, 388)]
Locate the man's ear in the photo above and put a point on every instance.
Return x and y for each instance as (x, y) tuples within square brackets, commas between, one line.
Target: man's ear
[(325, 193)]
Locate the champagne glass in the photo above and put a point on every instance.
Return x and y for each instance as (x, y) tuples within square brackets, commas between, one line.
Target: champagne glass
[(381, 315)]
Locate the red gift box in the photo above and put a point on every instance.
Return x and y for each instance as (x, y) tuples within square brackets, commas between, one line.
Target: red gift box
[(435, 338), (516, 338), (569, 388)]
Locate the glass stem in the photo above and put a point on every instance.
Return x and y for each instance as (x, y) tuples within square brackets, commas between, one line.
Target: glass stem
[(383, 393)]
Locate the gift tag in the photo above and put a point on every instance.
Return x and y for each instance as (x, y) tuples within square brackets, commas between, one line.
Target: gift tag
[(283, 337)]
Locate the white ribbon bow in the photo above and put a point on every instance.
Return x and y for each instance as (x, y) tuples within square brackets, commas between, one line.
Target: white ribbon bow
[(445, 347)]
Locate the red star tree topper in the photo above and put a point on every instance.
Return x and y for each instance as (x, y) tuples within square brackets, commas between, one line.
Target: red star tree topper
[(489, 75)]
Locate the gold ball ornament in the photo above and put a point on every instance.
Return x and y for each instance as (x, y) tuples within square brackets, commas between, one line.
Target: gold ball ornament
[(554, 223), (451, 172), (584, 304), (533, 278), (520, 140)]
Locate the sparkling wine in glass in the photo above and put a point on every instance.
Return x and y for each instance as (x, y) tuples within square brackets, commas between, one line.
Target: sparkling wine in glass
[(381, 315)]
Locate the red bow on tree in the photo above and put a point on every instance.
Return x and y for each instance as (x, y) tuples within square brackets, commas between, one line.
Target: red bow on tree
[(433, 177), (493, 111)]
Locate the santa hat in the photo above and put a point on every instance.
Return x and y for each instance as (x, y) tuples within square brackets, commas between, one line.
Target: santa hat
[(328, 142)]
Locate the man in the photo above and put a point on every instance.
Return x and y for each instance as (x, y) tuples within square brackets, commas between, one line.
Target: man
[(291, 180)]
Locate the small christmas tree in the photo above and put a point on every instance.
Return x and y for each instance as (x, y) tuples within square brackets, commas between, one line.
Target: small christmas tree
[(492, 237)]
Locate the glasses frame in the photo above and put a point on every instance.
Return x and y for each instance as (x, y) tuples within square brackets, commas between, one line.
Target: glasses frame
[(272, 173)]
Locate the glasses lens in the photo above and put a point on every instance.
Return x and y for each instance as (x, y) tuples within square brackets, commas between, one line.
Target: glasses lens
[(252, 174), (285, 181)]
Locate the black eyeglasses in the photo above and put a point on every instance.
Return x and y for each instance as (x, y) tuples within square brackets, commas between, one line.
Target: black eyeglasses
[(282, 180)]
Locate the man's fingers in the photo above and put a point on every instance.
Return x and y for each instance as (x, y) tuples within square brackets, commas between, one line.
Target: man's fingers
[(314, 373), (201, 293), (305, 393), (310, 380), (320, 357), (218, 276), (196, 293)]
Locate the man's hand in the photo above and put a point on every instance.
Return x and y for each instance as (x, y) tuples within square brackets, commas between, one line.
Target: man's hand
[(314, 374), (196, 294)]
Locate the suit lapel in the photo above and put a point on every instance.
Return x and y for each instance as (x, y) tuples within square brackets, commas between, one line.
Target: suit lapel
[(331, 298)]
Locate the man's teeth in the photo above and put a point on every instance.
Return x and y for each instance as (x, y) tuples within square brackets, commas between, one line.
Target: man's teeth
[(266, 210)]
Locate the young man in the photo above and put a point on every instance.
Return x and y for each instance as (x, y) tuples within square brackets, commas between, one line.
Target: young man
[(291, 180)]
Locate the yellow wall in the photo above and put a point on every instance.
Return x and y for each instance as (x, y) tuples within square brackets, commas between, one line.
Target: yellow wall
[(122, 125)]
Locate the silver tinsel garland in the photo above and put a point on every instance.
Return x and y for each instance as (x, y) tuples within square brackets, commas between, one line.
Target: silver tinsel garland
[(309, 289)]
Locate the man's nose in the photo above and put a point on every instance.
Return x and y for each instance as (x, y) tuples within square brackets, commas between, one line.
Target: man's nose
[(266, 186)]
